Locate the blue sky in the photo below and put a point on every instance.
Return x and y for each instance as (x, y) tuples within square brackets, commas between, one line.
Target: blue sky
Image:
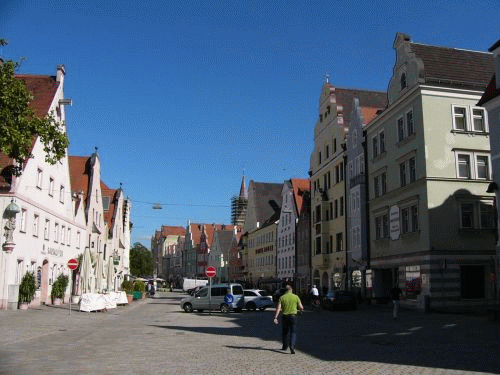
[(182, 97)]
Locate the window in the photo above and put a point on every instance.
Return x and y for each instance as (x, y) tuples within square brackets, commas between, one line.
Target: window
[(472, 165), (336, 209), (462, 122), (382, 226), (51, 187), (381, 138), (383, 183), (340, 242), (409, 123), (46, 229), (334, 145), (319, 157), (478, 122), (341, 206), (402, 174), (68, 239), (39, 178), (327, 151), (376, 188), (403, 81), (36, 221), (78, 240), (409, 219), (477, 215), (61, 194), (56, 232), (460, 118), (401, 129), (22, 223), (375, 146), (412, 169)]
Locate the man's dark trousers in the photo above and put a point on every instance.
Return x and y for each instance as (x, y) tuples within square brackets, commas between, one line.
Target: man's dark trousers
[(289, 327)]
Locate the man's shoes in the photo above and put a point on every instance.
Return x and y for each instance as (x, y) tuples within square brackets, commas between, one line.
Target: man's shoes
[(292, 350), (284, 347)]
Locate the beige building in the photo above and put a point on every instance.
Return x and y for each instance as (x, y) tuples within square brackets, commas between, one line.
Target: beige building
[(429, 166), (262, 253), (328, 185)]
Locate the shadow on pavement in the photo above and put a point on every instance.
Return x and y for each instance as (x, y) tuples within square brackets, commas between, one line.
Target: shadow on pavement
[(370, 334)]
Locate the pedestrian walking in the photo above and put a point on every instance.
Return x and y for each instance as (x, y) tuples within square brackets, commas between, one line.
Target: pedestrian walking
[(396, 294), (314, 296), (289, 304)]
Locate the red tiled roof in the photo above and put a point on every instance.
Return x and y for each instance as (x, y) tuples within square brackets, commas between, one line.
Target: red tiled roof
[(196, 229), (172, 231), (298, 185), (79, 174), (369, 113), (43, 89)]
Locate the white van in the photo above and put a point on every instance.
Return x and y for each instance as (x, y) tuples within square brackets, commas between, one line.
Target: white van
[(223, 297)]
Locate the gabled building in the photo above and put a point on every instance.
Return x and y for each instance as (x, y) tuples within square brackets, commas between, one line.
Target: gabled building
[(223, 248), (42, 222), (197, 247), (116, 208), (328, 185), (291, 206), (432, 224), (163, 248), (491, 102), (358, 256), (258, 247), (303, 243)]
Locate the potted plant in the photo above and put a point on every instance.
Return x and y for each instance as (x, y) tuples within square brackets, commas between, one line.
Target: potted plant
[(58, 289), (128, 287), (27, 290), (139, 289)]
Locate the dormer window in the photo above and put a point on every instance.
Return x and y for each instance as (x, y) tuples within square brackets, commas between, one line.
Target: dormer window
[(403, 81)]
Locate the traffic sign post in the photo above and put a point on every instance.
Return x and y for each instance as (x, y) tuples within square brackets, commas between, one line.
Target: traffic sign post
[(72, 265), (210, 272)]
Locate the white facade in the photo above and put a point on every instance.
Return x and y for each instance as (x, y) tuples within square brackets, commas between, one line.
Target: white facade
[(285, 257), (48, 232)]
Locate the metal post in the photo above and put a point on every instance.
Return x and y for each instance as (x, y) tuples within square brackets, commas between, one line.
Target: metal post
[(210, 296)]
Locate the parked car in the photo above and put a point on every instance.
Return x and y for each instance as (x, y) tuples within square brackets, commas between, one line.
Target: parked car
[(339, 299), (192, 291), (257, 299), (223, 297)]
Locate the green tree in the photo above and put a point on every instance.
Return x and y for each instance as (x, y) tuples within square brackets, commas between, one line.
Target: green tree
[(20, 125), (141, 260)]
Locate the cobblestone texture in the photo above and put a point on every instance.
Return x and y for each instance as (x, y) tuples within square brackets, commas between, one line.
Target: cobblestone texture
[(154, 336)]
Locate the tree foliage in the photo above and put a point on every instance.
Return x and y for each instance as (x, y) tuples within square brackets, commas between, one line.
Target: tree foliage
[(20, 125), (141, 261)]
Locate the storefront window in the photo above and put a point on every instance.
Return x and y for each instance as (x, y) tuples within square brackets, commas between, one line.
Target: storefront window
[(413, 281)]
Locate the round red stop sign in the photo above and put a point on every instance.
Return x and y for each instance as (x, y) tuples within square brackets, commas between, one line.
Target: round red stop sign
[(72, 264), (210, 272)]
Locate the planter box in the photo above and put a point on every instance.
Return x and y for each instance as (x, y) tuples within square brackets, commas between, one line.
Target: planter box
[(24, 306), (130, 298), (137, 295)]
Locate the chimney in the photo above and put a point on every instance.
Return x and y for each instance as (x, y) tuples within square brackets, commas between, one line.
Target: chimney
[(61, 72), (495, 50)]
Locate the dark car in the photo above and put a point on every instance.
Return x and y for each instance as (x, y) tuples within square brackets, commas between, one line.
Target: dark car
[(339, 299)]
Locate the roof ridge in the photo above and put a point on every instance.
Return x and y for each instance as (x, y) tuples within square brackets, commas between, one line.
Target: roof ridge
[(453, 48)]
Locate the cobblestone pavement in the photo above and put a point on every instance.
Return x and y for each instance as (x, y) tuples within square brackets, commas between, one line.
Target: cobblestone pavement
[(154, 336)]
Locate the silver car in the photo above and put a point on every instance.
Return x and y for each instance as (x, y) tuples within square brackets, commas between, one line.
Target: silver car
[(257, 299)]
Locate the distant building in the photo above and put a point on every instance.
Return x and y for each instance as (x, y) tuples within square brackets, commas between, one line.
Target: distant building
[(239, 206)]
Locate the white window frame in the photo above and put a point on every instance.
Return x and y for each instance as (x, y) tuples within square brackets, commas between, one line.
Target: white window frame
[(61, 194), (484, 117), (465, 116), (39, 178), (473, 164), (409, 132), (36, 224), (381, 139), (412, 220), (469, 118), (476, 213), (22, 221), (46, 230), (401, 128), (375, 146)]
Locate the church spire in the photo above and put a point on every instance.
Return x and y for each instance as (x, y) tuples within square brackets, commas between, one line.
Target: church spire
[(243, 189)]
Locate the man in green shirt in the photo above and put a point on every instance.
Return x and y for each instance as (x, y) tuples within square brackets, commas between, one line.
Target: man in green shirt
[(288, 305)]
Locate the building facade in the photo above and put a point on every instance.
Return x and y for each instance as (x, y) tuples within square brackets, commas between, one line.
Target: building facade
[(429, 166)]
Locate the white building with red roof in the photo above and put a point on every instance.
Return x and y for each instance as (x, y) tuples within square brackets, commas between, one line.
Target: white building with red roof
[(48, 230)]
